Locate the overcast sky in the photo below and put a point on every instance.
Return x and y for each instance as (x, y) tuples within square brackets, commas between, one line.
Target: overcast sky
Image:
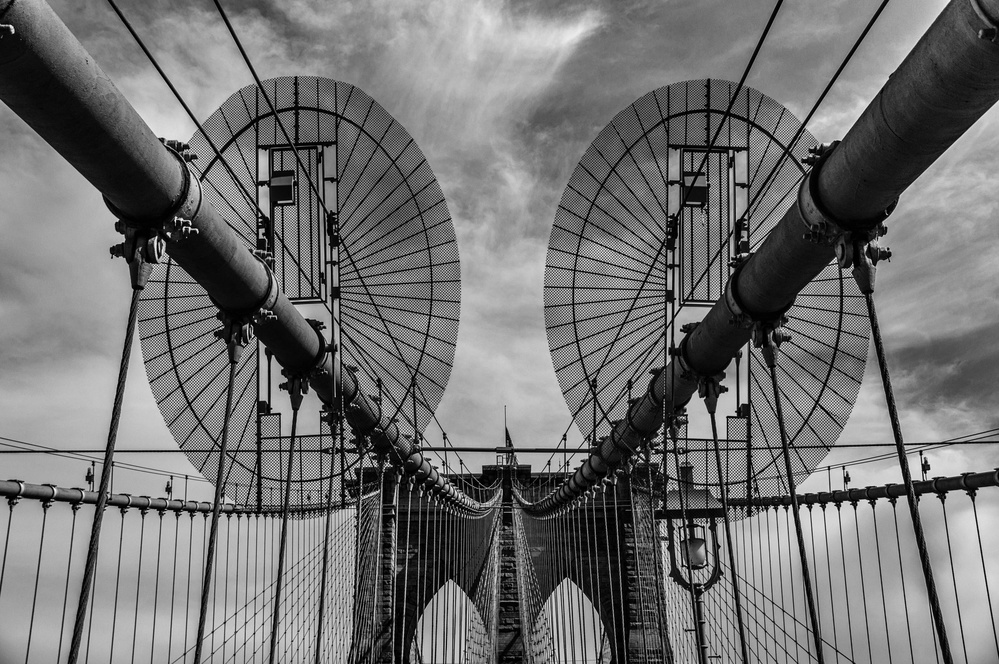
[(503, 98)]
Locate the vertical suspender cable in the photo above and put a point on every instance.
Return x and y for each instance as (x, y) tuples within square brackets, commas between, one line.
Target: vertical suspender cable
[(792, 492), (234, 353), (326, 550), (156, 587), (910, 495), (901, 572), (972, 493), (881, 578), (38, 573), (90, 566), (138, 581), (728, 541), (863, 582), (295, 388), (69, 568)]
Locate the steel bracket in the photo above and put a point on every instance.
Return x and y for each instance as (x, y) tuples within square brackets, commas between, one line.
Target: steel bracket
[(236, 332), (991, 31), (740, 314), (710, 388), (822, 226)]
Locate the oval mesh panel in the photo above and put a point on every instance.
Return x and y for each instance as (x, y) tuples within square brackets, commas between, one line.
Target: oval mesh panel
[(642, 242), (359, 230)]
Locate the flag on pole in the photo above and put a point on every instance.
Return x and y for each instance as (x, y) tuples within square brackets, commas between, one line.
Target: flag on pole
[(509, 441)]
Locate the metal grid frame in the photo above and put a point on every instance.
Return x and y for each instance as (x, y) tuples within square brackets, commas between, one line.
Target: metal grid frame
[(397, 281), (616, 285)]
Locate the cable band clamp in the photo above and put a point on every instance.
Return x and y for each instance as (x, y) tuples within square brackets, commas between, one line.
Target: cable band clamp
[(739, 313), (710, 388), (991, 31), (145, 239)]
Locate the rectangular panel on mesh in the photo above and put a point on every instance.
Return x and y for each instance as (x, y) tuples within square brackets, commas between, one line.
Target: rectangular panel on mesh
[(706, 223), (299, 234)]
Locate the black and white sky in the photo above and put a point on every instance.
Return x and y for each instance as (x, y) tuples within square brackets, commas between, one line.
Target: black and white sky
[(503, 97)]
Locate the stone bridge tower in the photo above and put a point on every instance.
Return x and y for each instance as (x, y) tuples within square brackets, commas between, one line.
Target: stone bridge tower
[(508, 564)]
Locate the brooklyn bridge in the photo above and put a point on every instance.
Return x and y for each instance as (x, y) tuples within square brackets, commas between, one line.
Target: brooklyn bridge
[(710, 302)]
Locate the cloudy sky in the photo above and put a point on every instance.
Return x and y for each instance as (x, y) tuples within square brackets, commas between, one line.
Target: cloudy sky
[(503, 98)]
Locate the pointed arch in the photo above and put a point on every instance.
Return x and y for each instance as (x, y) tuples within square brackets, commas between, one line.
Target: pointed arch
[(450, 630), (569, 628)]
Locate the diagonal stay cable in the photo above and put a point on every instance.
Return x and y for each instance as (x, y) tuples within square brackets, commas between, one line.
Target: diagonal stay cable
[(239, 45), (704, 159)]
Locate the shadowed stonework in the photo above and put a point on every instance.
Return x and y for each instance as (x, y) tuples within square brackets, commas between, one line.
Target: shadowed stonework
[(508, 564)]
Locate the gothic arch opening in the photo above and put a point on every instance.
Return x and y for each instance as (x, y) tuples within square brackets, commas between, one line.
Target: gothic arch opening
[(571, 629), (450, 630)]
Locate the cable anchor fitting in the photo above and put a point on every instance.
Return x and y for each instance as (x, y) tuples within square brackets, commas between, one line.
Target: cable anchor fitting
[(991, 31), (178, 228), (181, 148), (768, 335), (675, 422), (141, 249), (862, 252), (710, 388), (297, 387), (236, 332), (821, 226)]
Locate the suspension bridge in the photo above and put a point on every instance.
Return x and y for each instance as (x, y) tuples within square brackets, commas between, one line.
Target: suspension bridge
[(710, 303)]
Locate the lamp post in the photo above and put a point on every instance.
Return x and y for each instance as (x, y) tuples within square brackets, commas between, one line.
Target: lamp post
[(686, 510)]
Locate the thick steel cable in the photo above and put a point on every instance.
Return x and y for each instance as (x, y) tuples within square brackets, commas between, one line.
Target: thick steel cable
[(700, 168), (90, 567), (792, 491), (216, 509), (187, 109), (284, 528), (910, 495), (723, 485), (299, 573)]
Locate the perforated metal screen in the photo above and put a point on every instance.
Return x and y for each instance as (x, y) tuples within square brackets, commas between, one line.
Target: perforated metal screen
[(384, 263), (640, 245)]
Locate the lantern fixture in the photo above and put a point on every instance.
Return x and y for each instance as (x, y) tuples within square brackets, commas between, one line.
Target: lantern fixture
[(694, 548)]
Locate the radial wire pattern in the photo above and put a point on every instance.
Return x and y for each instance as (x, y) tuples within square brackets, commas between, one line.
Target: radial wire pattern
[(359, 230), (642, 243)]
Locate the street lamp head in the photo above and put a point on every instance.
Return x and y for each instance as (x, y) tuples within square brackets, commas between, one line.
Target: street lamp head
[(694, 548)]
